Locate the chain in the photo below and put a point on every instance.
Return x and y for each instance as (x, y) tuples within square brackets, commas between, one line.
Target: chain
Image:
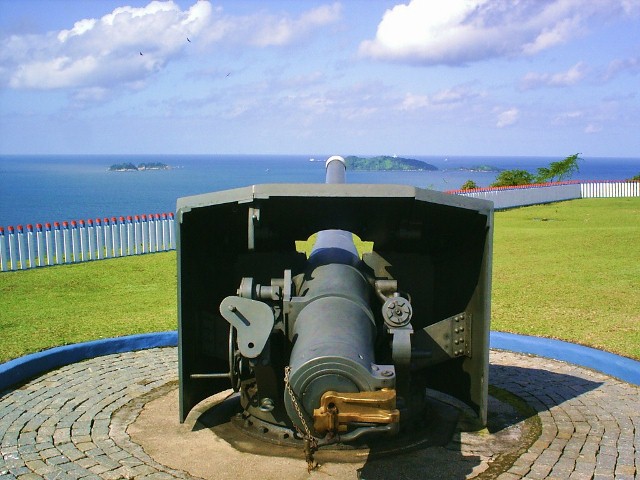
[(310, 442)]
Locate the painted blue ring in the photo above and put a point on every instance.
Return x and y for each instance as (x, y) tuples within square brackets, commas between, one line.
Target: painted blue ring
[(20, 369), (617, 366)]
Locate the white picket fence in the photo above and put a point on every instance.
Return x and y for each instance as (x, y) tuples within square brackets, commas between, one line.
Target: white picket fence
[(537, 194), (72, 242), (609, 189)]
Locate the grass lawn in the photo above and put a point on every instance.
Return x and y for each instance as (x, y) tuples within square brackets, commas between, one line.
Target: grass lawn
[(52, 306), (569, 270)]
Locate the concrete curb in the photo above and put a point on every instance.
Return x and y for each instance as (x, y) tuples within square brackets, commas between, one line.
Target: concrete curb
[(20, 369), (610, 364)]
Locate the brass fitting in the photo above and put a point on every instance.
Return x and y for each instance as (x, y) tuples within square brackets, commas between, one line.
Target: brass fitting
[(337, 410)]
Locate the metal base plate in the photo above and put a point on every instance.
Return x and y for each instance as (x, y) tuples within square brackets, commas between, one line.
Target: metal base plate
[(251, 435)]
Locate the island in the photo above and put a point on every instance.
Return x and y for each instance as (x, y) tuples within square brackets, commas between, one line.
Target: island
[(479, 168), (130, 167), (385, 162)]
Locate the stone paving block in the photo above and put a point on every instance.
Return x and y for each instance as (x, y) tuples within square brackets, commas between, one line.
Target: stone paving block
[(19, 471), (130, 461), (120, 473), (539, 471), (39, 467), (158, 476), (119, 455), (85, 446), (107, 461), (628, 470), (49, 453), (94, 452), (141, 470), (580, 476), (603, 476), (549, 457), (519, 470), (27, 438), (98, 469), (30, 456), (606, 462), (81, 439), (58, 475), (86, 462), (29, 476), (508, 476)]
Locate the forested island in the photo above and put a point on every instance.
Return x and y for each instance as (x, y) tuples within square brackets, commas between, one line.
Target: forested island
[(385, 162), (479, 168), (130, 167)]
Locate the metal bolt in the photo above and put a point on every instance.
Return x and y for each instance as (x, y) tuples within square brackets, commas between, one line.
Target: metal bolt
[(267, 404), (232, 308), (456, 330), (386, 373), (462, 329)]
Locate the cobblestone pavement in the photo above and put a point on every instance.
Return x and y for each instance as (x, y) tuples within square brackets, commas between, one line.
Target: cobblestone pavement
[(65, 424)]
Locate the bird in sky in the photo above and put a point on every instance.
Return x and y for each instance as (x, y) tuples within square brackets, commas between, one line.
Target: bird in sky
[(188, 40), (140, 53)]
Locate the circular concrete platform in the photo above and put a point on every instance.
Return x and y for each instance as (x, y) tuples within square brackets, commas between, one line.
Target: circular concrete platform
[(115, 417)]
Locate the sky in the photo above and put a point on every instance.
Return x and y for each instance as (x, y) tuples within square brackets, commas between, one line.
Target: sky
[(367, 77)]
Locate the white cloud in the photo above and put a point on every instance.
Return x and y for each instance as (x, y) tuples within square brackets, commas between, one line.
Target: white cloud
[(462, 31), (592, 128), (414, 102), (263, 29), (129, 44), (507, 117), (277, 31), (106, 51), (618, 66), (567, 117), (459, 95), (560, 79)]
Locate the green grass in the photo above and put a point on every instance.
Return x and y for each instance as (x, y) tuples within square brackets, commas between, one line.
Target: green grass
[(569, 270), (52, 306)]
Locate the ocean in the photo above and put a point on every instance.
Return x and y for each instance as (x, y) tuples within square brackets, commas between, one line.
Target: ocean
[(47, 188)]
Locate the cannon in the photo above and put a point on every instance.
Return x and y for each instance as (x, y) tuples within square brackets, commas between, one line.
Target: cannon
[(329, 339)]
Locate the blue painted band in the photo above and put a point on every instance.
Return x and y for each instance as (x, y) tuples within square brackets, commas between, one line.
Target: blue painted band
[(22, 368), (623, 368)]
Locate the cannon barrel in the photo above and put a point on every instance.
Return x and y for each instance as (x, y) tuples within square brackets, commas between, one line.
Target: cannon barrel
[(335, 332), (335, 344)]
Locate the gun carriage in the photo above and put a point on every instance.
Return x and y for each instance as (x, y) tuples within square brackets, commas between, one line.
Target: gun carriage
[(336, 344)]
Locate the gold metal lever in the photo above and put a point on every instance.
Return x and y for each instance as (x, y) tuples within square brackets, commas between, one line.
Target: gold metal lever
[(337, 410)]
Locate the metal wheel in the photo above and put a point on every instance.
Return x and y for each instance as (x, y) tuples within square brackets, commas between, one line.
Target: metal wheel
[(235, 360)]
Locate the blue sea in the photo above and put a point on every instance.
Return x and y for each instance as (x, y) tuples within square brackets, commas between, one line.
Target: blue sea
[(47, 188)]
